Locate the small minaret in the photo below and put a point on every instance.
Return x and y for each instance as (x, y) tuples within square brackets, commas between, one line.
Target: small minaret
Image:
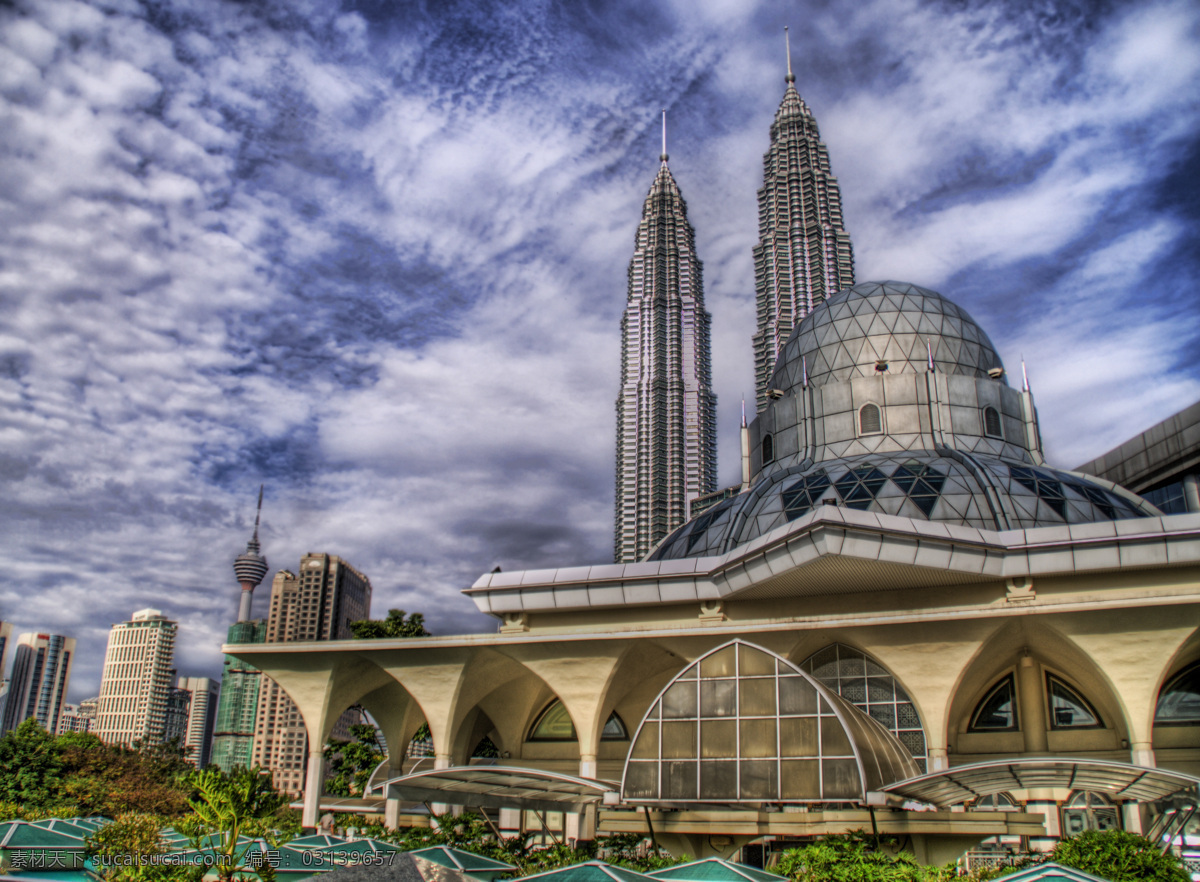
[(745, 447), (250, 567)]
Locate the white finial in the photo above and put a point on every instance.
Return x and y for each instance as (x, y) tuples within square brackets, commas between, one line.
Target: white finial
[(1024, 376), (787, 41), (664, 127), (929, 352), (804, 370), (743, 411)]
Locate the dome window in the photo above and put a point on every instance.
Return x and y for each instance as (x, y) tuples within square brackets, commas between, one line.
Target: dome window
[(1069, 709), (800, 498), (870, 420), (991, 423), (921, 483), (998, 710), (1179, 701), (768, 449), (859, 487)]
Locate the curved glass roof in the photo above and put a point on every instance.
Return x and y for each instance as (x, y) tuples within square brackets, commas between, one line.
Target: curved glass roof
[(744, 725), (950, 487)]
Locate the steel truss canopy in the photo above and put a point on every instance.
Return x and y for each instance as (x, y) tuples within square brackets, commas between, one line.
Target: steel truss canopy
[(1118, 781), (503, 787)]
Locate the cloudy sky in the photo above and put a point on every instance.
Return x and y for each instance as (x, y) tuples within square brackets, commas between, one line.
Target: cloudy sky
[(373, 256)]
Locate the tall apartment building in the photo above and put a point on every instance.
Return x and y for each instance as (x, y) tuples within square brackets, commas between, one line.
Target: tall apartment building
[(318, 602), (37, 688), (666, 409), (803, 255), (201, 717), (5, 637), (78, 717), (237, 704), (137, 680)]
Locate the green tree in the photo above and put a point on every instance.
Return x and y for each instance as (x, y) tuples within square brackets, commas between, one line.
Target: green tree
[(31, 767), (857, 857), (228, 806), (351, 762), (110, 779), (125, 851), (395, 625), (1119, 856)]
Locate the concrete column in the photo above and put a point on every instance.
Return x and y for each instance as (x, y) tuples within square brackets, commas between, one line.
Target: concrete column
[(1041, 801), (1032, 706), (510, 822), (938, 760), (1131, 817), (391, 814), (314, 781), (1141, 753), (441, 761), (1191, 492)]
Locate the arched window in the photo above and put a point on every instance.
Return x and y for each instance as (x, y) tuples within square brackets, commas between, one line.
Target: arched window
[(995, 802), (998, 710), (1086, 810), (868, 685), (1179, 701), (1069, 709), (991, 423), (554, 724), (870, 420), (768, 449)]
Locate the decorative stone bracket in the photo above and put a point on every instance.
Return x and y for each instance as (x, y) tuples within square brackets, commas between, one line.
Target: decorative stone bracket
[(1020, 588), (515, 623), (712, 612)]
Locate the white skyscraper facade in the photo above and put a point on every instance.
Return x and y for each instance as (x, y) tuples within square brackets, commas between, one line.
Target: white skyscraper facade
[(41, 673), (666, 409), (137, 680), (803, 255)]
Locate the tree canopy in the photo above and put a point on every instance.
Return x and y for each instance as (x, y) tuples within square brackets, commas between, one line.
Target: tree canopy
[(397, 624)]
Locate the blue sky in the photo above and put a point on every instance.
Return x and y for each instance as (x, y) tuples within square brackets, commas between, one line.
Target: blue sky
[(374, 255)]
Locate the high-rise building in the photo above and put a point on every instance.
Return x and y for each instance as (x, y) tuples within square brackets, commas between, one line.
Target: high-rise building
[(803, 255), (5, 636), (201, 717), (237, 705), (666, 409), (179, 702), (37, 688), (318, 603), (78, 717), (137, 679)]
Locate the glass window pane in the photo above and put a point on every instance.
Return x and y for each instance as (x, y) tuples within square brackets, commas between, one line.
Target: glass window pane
[(718, 698), (834, 741), (718, 780), (719, 664), (679, 739), (998, 710), (679, 700), (1179, 701), (880, 689), (758, 737), (840, 779), (614, 729), (646, 746), (885, 713), (554, 725), (852, 666), (798, 736), (754, 663), (758, 697), (679, 780), (760, 780), (801, 779), (797, 696), (641, 781), (718, 738), (1068, 709)]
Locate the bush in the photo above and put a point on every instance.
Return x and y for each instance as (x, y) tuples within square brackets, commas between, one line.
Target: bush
[(1119, 856)]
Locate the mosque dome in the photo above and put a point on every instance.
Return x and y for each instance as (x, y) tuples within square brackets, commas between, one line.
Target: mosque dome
[(874, 323), (877, 428)]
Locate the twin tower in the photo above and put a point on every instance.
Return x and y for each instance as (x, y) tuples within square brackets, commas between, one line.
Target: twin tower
[(666, 409)]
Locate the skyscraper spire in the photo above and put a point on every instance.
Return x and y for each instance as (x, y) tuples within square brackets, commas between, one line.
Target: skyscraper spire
[(803, 255), (664, 156), (787, 42), (666, 409), (250, 566)]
